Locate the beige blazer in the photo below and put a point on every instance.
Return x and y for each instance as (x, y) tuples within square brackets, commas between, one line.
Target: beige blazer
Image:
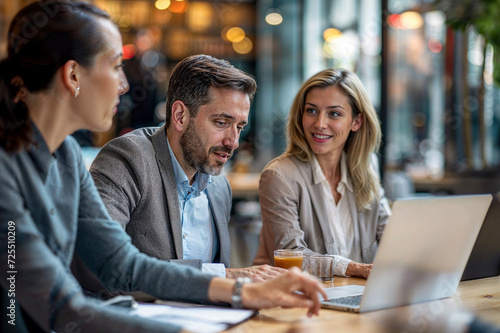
[(294, 213)]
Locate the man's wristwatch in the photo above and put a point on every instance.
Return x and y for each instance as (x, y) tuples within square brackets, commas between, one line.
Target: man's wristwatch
[(236, 301)]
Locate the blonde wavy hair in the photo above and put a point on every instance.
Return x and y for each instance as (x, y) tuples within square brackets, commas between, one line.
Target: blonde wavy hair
[(359, 145)]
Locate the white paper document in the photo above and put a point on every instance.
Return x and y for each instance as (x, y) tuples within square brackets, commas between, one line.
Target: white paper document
[(203, 319)]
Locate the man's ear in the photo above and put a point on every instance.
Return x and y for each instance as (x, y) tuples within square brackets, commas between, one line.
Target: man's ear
[(357, 122), (180, 116), (71, 74)]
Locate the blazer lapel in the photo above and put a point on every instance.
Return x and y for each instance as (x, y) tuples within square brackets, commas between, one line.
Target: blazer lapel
[(318, 203), (319, 206), (159, 140), (215, 200)]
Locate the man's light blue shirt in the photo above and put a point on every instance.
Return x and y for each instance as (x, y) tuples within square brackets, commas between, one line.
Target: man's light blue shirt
[(199, 235)]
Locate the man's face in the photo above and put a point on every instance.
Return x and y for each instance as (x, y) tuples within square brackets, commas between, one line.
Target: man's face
[(211, 138)]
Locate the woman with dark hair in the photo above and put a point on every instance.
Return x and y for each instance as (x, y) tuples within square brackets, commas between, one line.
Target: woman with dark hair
[(323, 195), (63, 73)]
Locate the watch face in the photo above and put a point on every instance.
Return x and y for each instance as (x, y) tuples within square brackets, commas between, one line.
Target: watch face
[(236, 301)]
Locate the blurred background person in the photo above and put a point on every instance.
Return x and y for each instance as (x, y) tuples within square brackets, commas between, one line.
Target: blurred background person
[(146, 73)]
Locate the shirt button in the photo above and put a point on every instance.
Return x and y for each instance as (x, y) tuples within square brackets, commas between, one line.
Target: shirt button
[(184, 236), (52, 211)]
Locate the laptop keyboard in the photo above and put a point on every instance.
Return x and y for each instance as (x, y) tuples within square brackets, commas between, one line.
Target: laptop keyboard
[(349, 300)]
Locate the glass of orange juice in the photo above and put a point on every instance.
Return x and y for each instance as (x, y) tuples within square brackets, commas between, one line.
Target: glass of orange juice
[(288, 258)]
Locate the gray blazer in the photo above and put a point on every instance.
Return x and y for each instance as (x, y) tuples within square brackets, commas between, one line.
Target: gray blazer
[(135, 178), (294, 213)]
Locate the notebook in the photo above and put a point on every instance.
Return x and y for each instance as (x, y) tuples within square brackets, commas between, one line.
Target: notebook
[(421, 256), (484, 260)]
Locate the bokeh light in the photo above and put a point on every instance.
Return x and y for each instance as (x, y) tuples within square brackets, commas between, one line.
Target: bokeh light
[(394, 21), (162, 4), (128, 51), (235, 34), (274, 18), (178, 6), (331, 33), (244, 46), (411, 20), (435, 46), (435, 18), (150, 59)]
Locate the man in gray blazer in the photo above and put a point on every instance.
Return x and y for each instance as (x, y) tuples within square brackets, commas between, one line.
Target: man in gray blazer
[(163, 185)]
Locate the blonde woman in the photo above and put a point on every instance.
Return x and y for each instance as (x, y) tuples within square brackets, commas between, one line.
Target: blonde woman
[(323, 195)]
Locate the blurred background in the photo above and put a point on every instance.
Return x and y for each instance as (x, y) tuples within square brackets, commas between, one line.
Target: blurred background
[(430, 69)]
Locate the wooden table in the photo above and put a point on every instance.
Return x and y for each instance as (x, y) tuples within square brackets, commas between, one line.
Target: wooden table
[(477, 297)]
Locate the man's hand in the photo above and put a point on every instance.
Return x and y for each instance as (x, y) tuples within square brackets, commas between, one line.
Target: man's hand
[(256, 273), (281, 292), (359, 270)]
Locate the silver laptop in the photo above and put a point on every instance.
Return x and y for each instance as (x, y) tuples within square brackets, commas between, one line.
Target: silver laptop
[(484, 260), (421, 256)]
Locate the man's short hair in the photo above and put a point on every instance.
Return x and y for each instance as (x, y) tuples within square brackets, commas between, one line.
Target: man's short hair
[(192, 78)]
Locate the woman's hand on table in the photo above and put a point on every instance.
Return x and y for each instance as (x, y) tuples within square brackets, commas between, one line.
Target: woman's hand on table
[(358, 269)]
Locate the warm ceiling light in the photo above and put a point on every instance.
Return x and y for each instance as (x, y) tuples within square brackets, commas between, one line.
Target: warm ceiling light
[(411, 20), (201, 16), (274, 18), (178, 6), (331, 33), (235, 34), (243, 47), (162, 4)]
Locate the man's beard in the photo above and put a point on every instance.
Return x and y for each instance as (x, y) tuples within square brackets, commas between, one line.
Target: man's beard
[(194, 154)]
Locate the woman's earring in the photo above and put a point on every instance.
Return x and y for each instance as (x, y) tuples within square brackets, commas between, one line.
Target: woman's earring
[(77, 91)]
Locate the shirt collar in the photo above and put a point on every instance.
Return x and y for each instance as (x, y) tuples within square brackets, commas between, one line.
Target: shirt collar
[(201, 180), (40, 154), (343, 172), (318, 175)]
